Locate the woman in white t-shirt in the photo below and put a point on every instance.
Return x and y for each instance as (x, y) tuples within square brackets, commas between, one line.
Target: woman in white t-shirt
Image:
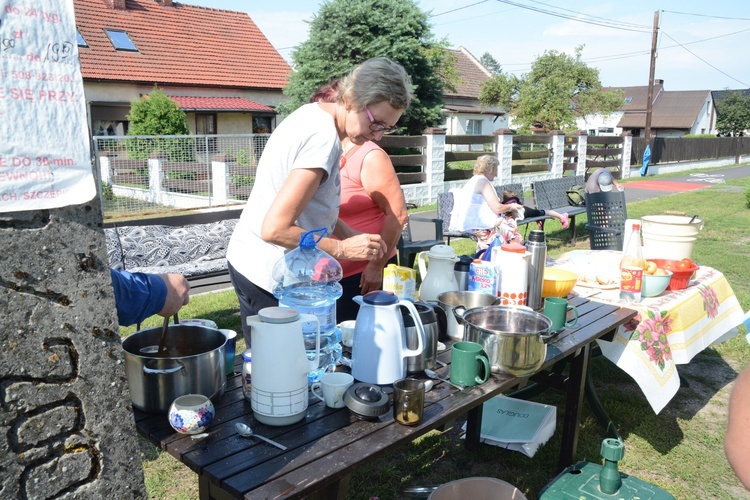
[(297, 186), (478, 209)]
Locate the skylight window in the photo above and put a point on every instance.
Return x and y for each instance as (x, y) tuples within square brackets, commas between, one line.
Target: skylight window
[(121, 40), (628, 99), (81, 41)]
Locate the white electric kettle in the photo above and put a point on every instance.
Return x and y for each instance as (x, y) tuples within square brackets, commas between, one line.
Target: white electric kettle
[(379, 349), (440, 276), (280, 365)]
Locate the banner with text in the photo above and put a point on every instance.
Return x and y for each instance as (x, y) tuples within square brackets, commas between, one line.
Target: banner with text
[(45, 160)]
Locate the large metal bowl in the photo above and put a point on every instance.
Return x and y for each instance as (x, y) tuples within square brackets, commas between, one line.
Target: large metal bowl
[(514, 338)]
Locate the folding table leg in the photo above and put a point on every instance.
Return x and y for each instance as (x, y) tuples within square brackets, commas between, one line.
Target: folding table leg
[(574, 399)]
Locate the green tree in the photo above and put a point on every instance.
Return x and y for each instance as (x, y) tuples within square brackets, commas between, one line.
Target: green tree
[(733, 114), (491, 64), (157, 114), (345, 33), (559, 89)]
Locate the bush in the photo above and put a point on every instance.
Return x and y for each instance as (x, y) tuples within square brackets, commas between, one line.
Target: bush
[(747, 197)]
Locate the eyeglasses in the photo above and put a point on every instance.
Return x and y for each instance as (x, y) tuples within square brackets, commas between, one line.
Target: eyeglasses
[(379, 127)]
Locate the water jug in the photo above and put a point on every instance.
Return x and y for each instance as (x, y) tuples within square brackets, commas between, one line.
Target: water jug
[(379, 349), (307, 279), (280, 364), (439, 277)]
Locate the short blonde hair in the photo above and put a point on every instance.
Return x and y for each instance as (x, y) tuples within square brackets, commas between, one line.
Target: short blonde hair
[(486, 164)]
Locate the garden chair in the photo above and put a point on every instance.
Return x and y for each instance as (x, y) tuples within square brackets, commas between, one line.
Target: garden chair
[(606, 213)]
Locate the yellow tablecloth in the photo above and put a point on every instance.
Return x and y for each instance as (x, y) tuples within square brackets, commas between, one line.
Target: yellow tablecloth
[(669, 330)]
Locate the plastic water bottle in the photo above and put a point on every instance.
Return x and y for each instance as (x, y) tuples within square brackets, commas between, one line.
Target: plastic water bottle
[(631, 268), (307, 279)]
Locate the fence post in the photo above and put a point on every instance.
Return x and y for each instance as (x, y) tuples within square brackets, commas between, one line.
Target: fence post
[(104, 168), (504, 155), (220, 178), (627, 144), (583, 141), (434, 162), (154, 177), (557, 145)]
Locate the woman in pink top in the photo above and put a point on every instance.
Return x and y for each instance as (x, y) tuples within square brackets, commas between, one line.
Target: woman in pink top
[(371, 202)]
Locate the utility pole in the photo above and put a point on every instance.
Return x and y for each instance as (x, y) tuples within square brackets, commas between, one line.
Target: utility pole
[(651, 71)]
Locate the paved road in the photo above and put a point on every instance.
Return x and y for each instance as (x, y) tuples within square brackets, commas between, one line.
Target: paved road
[(641, 188)]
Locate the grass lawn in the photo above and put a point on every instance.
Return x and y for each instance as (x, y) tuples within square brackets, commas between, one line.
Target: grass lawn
[(680, 449)]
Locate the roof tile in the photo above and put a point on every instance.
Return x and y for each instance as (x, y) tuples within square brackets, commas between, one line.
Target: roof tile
[(178, 44)]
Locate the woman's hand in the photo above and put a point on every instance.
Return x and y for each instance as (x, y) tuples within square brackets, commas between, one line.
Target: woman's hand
[(372, 278), (363, 247)]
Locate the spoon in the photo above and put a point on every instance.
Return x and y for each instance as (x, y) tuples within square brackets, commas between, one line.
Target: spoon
[(164, 329), (246, 431), (434, 375)]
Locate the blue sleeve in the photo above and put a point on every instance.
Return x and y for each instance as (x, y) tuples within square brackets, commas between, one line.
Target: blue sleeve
[(137, 295)]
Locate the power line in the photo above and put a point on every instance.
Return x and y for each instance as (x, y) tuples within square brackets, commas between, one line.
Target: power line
[(459, 8), (617, 26), (706, 62), (704, 15), (612, 21)]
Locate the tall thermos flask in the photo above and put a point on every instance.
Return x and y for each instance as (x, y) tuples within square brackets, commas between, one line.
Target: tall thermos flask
[(461, 270), (537, 247)]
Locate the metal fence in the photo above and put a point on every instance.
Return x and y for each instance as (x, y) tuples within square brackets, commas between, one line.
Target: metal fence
[(142, 175)]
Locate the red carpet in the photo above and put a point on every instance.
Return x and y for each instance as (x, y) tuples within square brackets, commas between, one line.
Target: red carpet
[(674, 187)]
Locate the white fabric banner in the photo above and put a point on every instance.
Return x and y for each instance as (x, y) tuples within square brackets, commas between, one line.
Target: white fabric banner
[(45, 160)]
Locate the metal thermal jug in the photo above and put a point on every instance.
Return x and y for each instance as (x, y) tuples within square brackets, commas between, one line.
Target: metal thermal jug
[(280, 365)]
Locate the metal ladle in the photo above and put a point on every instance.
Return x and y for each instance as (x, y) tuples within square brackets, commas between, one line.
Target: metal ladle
[(246, 431), (434, 375)]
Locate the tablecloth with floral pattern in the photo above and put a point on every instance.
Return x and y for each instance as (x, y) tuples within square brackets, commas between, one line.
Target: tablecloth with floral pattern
[(669, 330)]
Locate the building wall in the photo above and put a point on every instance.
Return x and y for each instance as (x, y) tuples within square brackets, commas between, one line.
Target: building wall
[(596, 123), (706, 121)]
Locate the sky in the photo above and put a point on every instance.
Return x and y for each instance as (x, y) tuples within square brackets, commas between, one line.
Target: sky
[(700, 46)]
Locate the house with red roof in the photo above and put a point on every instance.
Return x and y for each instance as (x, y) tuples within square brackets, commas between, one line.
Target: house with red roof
[(215, 64), (465, 115)]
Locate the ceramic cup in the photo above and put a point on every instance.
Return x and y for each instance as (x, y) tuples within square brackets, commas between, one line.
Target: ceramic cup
[(231, 336), (469, 364), (191, 414), (408, 401), (556, 309), (332, 387), (347, 332)]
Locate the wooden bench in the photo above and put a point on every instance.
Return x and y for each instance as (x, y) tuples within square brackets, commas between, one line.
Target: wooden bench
[(194, 245), (551, 194)]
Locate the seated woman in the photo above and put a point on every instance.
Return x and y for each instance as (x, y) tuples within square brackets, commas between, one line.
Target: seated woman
[(510, 196), (478, 210)]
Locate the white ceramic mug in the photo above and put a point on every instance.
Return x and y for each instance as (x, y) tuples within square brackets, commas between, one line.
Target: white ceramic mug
[(347, 332), (332, 387)]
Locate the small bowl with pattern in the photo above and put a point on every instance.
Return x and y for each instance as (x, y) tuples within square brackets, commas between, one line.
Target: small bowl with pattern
[(191, 414)]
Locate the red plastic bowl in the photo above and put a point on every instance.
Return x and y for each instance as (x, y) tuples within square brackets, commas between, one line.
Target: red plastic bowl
[(680, 277)]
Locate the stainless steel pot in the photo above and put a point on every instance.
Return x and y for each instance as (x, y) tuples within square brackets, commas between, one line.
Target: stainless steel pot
[(468, 299), (193, 364), (515, 339)]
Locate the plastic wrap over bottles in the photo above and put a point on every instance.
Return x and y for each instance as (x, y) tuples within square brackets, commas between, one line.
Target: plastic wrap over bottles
[(307, 279)]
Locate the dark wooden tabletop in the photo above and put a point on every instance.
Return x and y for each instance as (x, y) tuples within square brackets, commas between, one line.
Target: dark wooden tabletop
[(329, 444)]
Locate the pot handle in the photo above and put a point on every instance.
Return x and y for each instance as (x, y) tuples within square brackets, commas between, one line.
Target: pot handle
[(548, 338), (459, 317), (442, 321), (164, 371)]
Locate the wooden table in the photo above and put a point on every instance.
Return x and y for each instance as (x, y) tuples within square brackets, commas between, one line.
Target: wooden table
[(328, 444)]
